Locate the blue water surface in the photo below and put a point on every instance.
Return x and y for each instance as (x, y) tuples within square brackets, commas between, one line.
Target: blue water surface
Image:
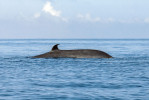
[(124, 77)]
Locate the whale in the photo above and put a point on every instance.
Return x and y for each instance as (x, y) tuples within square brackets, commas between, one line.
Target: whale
[(77, 53)]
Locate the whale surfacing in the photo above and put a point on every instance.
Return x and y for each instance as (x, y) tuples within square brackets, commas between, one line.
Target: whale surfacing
[(79, 53)]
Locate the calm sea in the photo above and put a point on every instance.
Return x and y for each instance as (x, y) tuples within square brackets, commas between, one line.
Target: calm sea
[(124, 77)]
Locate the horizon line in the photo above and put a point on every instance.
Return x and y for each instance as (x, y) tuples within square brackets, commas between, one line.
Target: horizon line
[(70, 38)]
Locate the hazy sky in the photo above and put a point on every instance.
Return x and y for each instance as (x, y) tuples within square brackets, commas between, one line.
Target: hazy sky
[(74, 18)]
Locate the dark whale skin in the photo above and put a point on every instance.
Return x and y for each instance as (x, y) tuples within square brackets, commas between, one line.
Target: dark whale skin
[(80, 53)]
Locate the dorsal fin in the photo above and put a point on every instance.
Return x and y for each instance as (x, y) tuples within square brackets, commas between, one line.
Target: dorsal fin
[(55, 47)]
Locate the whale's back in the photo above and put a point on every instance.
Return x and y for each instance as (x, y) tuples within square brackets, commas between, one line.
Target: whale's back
[(81, 53)]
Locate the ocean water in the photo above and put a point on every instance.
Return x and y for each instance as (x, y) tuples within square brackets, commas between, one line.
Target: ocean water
[(124, 77)]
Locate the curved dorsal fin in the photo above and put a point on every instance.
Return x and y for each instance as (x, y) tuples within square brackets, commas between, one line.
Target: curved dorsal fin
[(55, 47)]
